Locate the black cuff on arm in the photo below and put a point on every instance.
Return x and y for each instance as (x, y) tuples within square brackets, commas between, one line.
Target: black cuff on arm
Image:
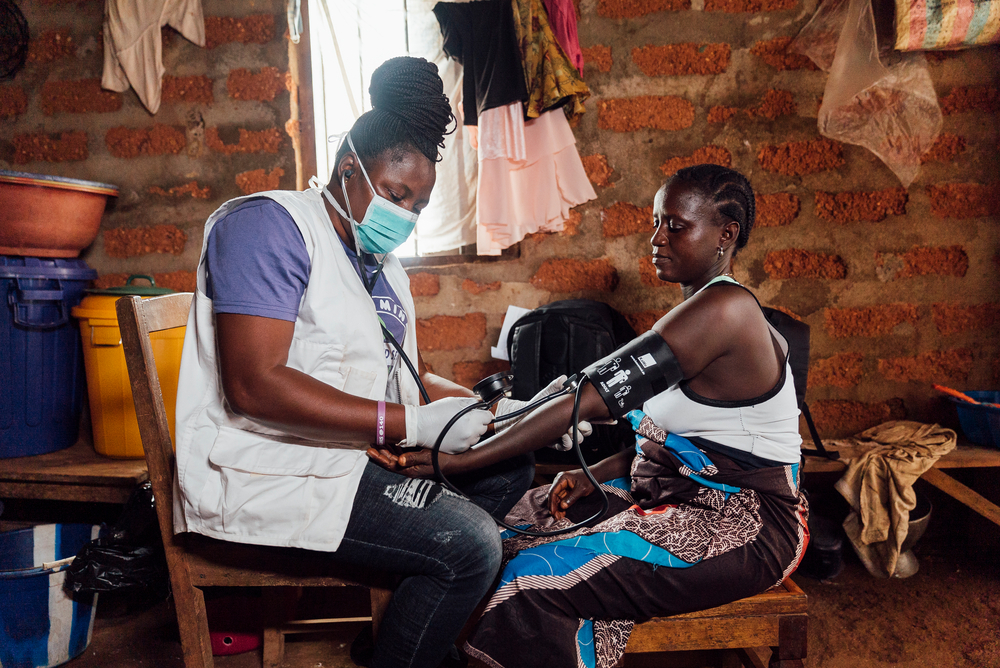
[(636, 372)]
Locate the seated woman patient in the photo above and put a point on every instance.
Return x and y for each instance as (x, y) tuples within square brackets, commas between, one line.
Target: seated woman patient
[(287, 378), (705, 509)]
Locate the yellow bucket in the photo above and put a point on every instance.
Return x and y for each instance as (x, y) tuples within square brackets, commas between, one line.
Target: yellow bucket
[(112, 413)]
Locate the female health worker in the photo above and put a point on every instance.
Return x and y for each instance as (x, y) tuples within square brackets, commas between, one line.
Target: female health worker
[(286, 379)]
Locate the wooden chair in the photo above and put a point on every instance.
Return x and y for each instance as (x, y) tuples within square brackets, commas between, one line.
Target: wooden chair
[(196, 561), (776, 619)]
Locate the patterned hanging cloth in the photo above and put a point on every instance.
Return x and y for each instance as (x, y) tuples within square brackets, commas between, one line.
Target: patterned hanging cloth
[(691, 529), (552, 79)]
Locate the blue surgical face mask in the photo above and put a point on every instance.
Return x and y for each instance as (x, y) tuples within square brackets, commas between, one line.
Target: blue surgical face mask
[(385, 226)]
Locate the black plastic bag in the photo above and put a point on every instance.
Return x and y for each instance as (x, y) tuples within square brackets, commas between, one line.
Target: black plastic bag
[(129, 556)]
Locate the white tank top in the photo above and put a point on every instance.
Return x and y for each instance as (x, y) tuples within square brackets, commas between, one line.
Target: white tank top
[(766, 426)]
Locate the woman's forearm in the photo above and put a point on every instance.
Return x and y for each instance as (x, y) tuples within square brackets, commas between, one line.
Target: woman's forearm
[(538, 429)]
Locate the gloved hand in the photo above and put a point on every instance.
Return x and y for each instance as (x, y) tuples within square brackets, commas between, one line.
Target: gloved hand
[(505, 406), (424, 424)]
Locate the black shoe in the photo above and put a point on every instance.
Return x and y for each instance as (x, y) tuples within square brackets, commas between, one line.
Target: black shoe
[(363, 648)]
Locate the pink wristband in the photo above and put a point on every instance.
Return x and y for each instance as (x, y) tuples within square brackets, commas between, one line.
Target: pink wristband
[(380, 425)]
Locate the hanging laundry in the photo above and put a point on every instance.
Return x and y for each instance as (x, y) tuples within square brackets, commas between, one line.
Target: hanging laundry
[(481, 36), (530, 176), (551, 78), (562, 19), (133, 47)]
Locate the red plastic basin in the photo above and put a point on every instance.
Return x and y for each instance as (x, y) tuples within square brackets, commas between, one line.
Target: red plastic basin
[(49, 216)]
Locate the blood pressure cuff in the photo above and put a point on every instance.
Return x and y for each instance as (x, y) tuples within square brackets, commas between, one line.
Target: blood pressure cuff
[(639, 370)]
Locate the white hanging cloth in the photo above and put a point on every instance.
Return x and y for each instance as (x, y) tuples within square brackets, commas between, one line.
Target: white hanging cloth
[(133, 47)]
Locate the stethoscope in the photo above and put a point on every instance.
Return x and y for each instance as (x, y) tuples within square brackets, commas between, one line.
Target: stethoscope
[(490, 390)]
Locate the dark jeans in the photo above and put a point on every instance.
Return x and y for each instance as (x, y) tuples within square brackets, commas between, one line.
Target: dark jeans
[(446, 548)]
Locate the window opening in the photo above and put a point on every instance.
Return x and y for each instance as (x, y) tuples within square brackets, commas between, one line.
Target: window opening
[(349, 39)]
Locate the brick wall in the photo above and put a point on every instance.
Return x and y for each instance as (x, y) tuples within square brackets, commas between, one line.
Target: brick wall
[(901, 287), (219, 133)]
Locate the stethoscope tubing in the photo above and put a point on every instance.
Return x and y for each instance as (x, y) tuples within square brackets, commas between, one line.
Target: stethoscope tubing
[(576, 450), (370, 287)]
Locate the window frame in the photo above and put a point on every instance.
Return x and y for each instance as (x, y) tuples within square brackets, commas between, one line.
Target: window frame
[(301, 112)]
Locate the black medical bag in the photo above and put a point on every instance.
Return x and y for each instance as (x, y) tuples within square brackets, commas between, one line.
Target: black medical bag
[(562, 338)]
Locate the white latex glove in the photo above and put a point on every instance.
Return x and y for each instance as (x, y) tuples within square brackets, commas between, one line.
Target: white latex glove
[(424, 424), (505, 406)]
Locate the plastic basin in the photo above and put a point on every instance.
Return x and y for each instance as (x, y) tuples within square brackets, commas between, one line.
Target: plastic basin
[(49, 216), (980, 424)]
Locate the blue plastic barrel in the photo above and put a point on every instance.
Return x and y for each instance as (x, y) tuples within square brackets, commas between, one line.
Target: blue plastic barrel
[(42, 381), (41, 624)]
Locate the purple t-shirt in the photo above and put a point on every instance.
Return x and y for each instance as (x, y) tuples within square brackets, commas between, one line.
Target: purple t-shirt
[(257, 264)]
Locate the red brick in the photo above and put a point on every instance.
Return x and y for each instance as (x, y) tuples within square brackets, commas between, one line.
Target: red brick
[(13, 100), (776, 209), (923, 261), (181, 281), (44, 148), (644, 320), (571, 226), (741, 6), (945, 148), (851, 207), (259, 180), (468, 374), (133, 142), (842, 370), (720, 114), (194, 89), (252, 29), (251, 141), (571, 275), (678, 59), (836, 418), (598, 170), (799, 263), (264, 86), (472, 287), (961, 99), (878, 320), (448, 332), (50, 46), (934, 366), (132, 241), (78, 97), (622, 219), (424, 284), (599, 56), (775, 53), (665, 112), (951, 318), (190, 188), (965, 200), (712, 155), (630, 9), (776, 103), (796, 158)]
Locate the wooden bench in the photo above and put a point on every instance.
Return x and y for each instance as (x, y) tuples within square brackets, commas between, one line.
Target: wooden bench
[(776, 619)]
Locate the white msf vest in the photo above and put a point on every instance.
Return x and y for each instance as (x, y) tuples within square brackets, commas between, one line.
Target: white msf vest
[(244, 482)]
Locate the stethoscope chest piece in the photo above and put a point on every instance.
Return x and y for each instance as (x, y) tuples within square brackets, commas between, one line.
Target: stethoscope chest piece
[(492, 388)]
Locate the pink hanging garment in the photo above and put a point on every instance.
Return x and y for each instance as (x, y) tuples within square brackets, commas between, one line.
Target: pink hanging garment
[(562, 20), (530, 176)]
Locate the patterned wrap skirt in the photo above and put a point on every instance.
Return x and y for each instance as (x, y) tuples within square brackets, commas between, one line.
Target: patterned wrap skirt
[(691, 529)]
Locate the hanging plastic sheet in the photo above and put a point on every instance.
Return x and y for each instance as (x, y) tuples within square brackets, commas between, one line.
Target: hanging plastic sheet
[(886, 102)]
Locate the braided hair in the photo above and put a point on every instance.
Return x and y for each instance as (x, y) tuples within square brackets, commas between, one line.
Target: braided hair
[(729, 190), (409, 111)]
